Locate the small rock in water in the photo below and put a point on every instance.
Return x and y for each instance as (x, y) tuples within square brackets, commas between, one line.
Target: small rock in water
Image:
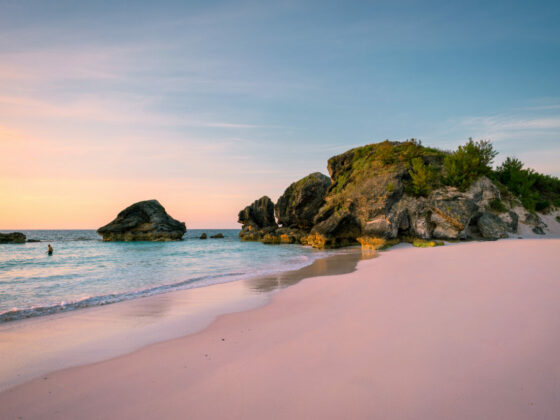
[(217, 236), (203, 236), (12, 238), (143, 221)]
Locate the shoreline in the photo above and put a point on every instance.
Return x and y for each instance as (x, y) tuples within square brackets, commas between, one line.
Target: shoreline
[(89, 335), (416, 333)]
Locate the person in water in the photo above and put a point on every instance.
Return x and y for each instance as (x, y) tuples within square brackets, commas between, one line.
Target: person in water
[(50, 250)]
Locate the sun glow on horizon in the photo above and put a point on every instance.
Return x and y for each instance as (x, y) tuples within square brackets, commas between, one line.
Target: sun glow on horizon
[(104, 105)]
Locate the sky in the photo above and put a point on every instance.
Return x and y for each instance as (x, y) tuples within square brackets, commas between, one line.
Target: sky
[(209, 105)]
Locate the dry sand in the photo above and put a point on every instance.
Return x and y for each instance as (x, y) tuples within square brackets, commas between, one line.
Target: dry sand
[(468, 331)]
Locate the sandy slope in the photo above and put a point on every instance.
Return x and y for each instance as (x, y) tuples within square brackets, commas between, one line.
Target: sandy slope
[(468, 331)]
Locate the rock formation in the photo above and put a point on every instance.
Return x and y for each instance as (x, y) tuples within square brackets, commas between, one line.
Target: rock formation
[(257, 220), (217, 236), (12, 238), (143, 221), (204, 236), (371, 195), (301, 201)]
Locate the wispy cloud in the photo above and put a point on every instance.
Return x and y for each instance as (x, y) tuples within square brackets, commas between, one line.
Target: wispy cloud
[(530, 133), (504, 123), (121, 108)]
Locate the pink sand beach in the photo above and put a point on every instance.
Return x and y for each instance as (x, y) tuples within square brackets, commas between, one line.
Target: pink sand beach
[(465, 331)]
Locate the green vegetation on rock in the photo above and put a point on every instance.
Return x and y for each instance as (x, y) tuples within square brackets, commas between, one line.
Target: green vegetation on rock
[(423, 178), (468, 163), (497, 206), (537, 192), (390, 191)]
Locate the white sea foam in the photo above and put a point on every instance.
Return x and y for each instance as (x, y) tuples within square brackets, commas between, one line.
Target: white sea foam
[(85, 271)]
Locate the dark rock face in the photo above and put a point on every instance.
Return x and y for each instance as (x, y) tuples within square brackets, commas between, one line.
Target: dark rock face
[(370, 196), (301, 201), (12, 238), (451, 214), (492, 227), (33, 240), (143, 221), (538, 230), (535, 222), (334, 232), (217, 236), (511, 219), (260, 213), (257, 220)]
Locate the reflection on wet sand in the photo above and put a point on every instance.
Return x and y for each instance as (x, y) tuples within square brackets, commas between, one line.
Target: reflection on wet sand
[(40, 345), (330, 266)]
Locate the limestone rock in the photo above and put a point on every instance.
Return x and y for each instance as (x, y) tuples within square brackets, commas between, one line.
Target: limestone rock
[(358, 202), (452, 212), (492, 227), (301, 201), (257, 219), (12, 238), (538, 230), (336, 231), (380, 191), (143, 221), (483, 191), (511, 219), (535, 222)]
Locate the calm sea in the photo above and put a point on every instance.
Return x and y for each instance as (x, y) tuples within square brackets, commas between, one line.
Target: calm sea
[(84, 271)]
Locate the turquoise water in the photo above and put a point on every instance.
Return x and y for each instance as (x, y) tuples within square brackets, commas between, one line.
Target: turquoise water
[(84, 271)]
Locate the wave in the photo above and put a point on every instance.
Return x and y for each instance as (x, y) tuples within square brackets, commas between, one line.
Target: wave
[(16, 313)]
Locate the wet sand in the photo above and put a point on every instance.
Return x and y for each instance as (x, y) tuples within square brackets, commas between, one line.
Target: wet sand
[(463, 331), (34, 347)]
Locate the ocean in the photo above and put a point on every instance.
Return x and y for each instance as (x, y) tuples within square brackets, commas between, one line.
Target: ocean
[(85, 272)]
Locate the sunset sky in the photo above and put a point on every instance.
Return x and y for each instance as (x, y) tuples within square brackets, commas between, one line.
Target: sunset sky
[(207, 106)]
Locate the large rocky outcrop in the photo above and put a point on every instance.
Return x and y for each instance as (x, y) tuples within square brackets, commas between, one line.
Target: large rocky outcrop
[(143, 221), (371, 195), (301, 201), (12, 238), (257, 220)]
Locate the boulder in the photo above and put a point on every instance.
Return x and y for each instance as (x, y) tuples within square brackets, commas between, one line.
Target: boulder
[(12, 238), (511, 219), (483, 191), (492, 227), (301, 201), (538, 230), (451, 213), (143, 221), (217, 236), (535, 222), (203, 236), (336, 231), (257, 219)]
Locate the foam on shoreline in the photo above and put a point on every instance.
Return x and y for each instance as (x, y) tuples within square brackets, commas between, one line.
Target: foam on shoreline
[(65, 338), (463, 331)]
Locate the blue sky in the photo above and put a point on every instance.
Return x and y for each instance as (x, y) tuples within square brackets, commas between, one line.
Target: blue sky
[(232, 100)]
